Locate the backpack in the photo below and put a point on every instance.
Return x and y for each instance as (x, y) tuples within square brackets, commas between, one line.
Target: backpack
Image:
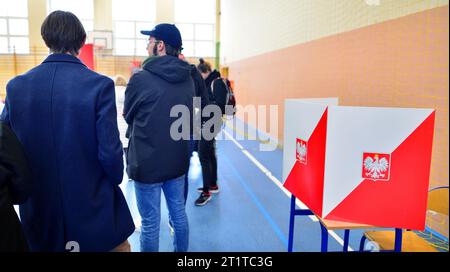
[(230, 99)]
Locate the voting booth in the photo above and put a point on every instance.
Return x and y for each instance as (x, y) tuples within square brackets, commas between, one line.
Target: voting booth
[(365, 165)]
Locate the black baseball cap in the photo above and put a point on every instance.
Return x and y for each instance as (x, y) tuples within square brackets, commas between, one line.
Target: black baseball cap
[(168, 33)]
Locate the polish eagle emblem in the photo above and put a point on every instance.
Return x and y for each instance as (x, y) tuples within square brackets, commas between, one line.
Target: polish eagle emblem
[(376, 166), (301, 151)]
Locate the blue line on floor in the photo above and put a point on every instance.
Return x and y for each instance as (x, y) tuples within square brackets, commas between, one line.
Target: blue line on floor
[(257, 203)]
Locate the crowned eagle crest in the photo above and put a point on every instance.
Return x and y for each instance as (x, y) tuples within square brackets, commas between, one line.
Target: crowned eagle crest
[(375, 167), (301, 149)]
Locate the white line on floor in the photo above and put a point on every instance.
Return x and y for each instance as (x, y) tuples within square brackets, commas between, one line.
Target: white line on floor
[(279, 185)]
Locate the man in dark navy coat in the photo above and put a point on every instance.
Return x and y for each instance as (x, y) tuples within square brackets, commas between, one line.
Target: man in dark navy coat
[(65, 117)]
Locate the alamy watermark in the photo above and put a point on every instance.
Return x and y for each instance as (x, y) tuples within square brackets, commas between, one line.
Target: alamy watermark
[(195, 123)]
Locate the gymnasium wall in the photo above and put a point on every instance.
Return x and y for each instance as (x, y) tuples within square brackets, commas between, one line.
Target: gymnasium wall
[(254, 27), (394, 56)]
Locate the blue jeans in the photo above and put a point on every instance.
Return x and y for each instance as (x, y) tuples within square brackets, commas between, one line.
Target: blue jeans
[(148, 198)]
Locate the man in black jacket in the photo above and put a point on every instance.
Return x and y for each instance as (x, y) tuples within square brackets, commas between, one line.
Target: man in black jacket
[(156, 159), (15, 187)]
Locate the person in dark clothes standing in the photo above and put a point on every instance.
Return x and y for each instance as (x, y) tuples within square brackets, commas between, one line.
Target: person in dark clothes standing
[(207, 147), (15, 188), (201, 92), (65, 117), (156, 160)]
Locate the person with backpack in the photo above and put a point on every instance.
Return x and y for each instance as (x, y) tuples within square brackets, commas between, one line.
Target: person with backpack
[(218, 95)]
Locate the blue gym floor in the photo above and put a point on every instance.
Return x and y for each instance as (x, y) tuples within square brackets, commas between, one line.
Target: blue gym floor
[(250, 213)]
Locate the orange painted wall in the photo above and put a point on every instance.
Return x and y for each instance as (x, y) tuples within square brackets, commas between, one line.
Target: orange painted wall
[(398, 63)]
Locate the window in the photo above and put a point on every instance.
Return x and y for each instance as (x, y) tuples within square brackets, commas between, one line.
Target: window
[(196, 20), (129, 18), (83, 9), (14, 27)]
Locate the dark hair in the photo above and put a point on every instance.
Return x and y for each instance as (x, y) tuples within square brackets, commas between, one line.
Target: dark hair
[(170, 50), (63, 32), (203, 66)]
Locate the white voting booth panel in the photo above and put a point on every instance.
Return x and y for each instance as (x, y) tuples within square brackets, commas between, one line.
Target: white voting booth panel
[(362, 165), (305, 121)]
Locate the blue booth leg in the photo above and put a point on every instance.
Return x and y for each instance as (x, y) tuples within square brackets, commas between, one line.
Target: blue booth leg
[(398, 240), (346, 240), (361, 244), (291, 224), (324, 247)]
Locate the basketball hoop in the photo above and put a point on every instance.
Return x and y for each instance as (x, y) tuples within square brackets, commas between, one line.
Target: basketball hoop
[(102, 40), (99, 47)]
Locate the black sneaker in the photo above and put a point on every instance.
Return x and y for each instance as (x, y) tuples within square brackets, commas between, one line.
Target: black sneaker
[(213, 189), (202, 199)]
